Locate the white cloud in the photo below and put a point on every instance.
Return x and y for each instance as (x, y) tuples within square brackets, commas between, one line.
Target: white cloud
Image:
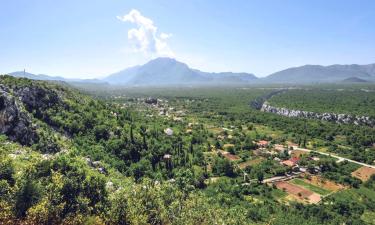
[(165, 36), (145, 37)]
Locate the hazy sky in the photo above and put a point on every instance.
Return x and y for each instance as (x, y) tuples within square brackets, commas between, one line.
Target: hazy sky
[(93, 38)]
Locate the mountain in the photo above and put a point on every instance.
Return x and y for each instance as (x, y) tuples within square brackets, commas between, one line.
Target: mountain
[(35, 76), (52, 78), (354, 80), (322, 74), (167, 71)]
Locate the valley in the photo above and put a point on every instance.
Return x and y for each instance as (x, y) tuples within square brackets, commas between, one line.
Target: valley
[(203, 148)]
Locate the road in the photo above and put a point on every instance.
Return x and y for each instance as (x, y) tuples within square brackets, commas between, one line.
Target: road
[(337, 157)]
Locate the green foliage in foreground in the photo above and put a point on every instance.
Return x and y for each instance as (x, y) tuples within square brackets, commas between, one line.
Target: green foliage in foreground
[(111, 167)]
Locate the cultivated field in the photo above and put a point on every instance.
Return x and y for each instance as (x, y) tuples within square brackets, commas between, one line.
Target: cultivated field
[(364, 173), (324, 183), (299, 192)]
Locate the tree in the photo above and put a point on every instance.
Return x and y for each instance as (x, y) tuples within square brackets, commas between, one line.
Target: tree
[(7, 171), (260, 176), (26, 196)]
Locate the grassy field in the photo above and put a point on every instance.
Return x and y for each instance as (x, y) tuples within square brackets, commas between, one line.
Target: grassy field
[(310, 187)]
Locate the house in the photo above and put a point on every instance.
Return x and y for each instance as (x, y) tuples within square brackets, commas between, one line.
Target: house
[(291, 162), (168, 131), (288, 163), (279, 148), (167, 157), (177, 119)]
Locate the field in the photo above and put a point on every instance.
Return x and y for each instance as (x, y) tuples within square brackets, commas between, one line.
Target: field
[(299, 192), (310, 187), (364, 173), (324, 183), (251, 162)]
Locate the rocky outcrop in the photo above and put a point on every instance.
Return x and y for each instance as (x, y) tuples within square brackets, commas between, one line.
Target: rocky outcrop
[(37, 99), (13, 122), (258, 102), (331, 117)]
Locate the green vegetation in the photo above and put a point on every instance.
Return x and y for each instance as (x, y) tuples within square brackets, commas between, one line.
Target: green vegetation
[(110, 160), (311, 187)]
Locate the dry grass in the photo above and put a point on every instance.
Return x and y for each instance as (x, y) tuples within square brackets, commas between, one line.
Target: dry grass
[(364, 173), (324, 183)]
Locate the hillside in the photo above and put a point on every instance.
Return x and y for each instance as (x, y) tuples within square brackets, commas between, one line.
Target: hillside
[(167, 71), (321, 74)]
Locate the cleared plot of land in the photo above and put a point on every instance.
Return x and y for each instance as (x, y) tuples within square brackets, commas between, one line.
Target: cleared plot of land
[(298, 153), (364, 173), (251, 162), (229, 156), (299, 192), (324, 183), (310, 187)]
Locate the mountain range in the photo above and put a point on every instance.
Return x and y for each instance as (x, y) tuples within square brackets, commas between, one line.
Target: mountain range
[(168, 71), (52, 78)]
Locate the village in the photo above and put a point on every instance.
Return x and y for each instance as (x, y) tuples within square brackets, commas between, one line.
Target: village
[(300, 171)]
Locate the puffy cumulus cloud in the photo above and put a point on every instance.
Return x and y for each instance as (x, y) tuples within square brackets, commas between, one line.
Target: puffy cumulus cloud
[(145, 37)]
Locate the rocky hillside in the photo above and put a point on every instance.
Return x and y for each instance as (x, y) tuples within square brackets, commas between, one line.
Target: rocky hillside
[(330, 117), (28, 111), (14, 121)]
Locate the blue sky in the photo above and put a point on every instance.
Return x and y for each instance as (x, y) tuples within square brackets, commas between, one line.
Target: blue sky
[(93, 38)]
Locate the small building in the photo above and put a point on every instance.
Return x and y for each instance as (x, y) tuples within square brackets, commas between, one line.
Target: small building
[(279, 148), (167, 156), (168, 131), (177, 119), (291, 162)]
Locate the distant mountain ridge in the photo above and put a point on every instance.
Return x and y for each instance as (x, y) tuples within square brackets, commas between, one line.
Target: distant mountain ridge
[(354, 80), (51, 78), (168, 71), (322, 74)]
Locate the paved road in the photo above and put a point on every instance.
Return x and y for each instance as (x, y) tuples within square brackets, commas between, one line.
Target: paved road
[(337, 157)]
